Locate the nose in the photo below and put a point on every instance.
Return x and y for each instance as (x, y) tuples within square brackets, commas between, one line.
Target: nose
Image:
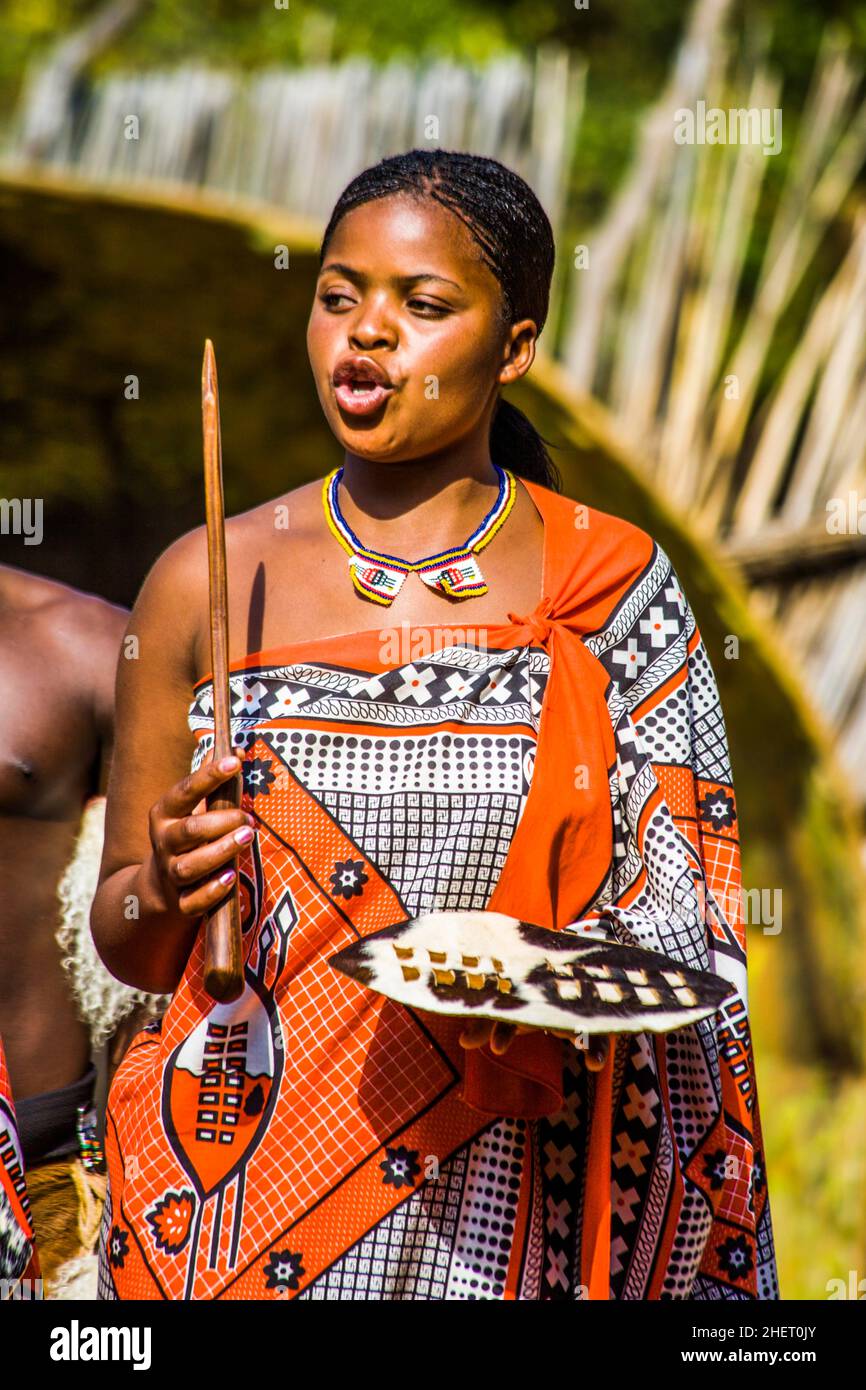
[(367, 338), (373, 328)]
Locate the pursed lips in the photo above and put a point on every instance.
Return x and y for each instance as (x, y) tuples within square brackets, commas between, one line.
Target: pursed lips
[(359, 394)]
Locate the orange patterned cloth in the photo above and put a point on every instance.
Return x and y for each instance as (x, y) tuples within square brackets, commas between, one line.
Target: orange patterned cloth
[(20, 1274), (316, 1140)]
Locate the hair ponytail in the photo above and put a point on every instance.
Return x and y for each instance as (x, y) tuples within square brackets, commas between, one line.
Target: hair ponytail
[(516, 444)]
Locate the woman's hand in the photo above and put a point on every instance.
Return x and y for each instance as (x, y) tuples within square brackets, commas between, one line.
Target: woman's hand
[(500, 1036), (191, 845)]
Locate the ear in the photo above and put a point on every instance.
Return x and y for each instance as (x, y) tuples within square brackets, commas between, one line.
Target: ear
[(518, 352)]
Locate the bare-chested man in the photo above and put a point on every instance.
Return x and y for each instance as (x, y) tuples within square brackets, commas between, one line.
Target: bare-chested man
[(58, 657)]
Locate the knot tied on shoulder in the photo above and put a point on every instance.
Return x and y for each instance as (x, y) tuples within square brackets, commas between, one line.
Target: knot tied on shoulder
[(539, 622)]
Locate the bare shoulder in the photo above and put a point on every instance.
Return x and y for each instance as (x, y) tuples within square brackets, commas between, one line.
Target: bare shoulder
[(175, 593), (70, 638), (250, 537), (63, 617), (291, 514)]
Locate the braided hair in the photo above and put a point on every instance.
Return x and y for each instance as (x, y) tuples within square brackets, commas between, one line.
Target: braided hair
[(514, 233)]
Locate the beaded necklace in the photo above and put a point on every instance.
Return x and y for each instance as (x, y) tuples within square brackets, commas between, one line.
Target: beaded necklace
[(453, 572)]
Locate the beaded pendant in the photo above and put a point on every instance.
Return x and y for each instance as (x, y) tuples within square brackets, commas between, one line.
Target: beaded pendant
[(454, 572)]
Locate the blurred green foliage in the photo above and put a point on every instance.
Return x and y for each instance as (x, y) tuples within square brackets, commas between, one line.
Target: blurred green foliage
[(629, 45), (628, 40)]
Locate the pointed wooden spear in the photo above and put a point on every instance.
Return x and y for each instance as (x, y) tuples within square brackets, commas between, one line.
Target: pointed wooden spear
[(223, 959)]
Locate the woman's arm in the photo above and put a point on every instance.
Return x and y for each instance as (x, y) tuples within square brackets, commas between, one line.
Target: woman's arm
[(163, 850)]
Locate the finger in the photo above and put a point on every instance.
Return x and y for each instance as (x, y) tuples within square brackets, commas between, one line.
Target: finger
[(182, 798), (476, 1032), (203, 827), (502, 1037), (186, 869), (203, 897)]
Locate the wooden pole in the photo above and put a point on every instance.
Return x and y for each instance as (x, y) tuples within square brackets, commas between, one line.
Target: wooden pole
[(223, 968)]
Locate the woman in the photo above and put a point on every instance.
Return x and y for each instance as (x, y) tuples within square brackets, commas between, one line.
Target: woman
[(313, 1139)]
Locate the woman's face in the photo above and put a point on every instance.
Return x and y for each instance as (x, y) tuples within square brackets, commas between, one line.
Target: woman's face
[(403, 285)]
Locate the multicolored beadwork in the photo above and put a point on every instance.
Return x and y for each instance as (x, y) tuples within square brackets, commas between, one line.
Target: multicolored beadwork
[(89, 1146), (453, 572)]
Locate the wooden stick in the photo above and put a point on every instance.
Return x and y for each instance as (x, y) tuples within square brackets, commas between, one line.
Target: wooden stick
[(223, 961)]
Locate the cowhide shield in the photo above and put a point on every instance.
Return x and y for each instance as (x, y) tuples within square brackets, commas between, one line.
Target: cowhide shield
[(490, 965)]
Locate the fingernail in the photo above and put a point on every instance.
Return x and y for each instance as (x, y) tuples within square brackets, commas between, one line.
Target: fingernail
[(227, 764), (227, 876), (251, 820), (244, 835)]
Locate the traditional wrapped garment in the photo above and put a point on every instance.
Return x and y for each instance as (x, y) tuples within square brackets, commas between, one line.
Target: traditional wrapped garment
[(20, 1273), (316, 1140)]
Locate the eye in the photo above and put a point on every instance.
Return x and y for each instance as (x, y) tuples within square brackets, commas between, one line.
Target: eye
[(436, 309), (331, 299), (330, 295)]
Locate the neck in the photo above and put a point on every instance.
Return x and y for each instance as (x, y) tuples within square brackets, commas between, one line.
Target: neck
[(388, 490), (416, 505)]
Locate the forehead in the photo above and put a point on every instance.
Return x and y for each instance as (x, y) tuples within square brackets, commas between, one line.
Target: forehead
[(401, 234)]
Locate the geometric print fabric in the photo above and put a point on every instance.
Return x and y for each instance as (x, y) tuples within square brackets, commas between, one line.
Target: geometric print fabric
[(384, 793)]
